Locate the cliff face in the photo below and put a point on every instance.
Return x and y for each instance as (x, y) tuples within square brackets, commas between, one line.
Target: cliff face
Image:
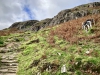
[(41, 24), (79, 11), (23, 25), (63, 16)]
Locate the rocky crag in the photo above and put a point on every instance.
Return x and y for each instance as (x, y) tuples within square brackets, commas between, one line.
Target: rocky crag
[(61, 17)]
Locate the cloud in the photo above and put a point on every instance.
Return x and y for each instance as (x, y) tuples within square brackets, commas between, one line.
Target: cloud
[(20, 10), (10, 12)]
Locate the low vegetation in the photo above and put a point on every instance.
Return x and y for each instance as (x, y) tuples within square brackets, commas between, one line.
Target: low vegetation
[(46, 51), (63, 44), (2, 40)]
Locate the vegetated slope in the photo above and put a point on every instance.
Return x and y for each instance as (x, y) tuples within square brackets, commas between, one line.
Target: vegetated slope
[(71, 30), (65, 44), (6, 32)]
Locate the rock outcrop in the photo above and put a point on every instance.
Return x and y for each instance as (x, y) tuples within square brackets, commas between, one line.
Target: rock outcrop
[(63, 16), (24, 25), (77, 12), (41, 24)]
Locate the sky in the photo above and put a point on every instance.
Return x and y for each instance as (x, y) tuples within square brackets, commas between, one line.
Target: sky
[(21, 10)]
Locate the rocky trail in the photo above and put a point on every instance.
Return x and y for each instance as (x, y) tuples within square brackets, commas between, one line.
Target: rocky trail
[(9, 63)]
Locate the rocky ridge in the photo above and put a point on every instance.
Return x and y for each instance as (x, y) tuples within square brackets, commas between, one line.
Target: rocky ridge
[(23, 25), (61, 17)]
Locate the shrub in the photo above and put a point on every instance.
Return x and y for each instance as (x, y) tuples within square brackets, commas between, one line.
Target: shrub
[(1, 40), (72, 30)]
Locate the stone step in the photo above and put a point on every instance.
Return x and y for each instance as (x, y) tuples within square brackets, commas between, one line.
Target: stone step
[(10, 57), (8, 70), (10, 53), (7, 73), (8, 61), (9, 64), (4, 67), (4, 50)]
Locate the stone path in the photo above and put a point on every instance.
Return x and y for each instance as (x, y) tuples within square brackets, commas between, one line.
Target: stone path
[(9, 63)]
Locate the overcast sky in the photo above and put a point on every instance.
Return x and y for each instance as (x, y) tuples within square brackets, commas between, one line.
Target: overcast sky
[(20, 10)]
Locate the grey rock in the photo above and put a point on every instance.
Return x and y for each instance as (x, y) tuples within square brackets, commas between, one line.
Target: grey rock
[(95, 4), (23, 25), (63, 69), (41, 24)]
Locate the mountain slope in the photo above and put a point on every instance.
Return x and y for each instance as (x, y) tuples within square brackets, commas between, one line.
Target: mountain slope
[(66, 44), (46, 51), (61, 17)]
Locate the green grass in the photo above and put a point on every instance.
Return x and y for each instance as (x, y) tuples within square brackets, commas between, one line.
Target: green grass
[(2, 40), (60, 53), (35, 56)]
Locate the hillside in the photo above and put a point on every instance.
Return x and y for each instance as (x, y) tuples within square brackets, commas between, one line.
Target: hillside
[(61, 17), (64, 44), (46, 51)]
